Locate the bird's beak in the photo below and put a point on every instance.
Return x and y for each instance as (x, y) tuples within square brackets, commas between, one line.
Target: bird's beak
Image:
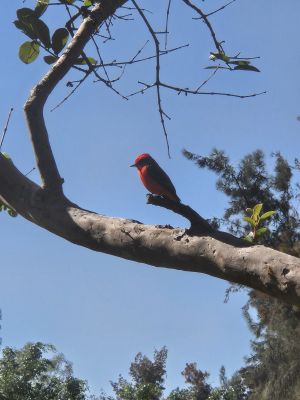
[(133, 165)]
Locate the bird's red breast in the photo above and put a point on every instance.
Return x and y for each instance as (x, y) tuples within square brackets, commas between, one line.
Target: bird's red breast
[(154, 177)]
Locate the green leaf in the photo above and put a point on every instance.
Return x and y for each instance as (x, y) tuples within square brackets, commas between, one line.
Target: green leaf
[(12, 212), (26, 28), (261, 231), (267, 214), (42, 31), (256, 211), (24, 13), (246, 68), (216, 67), (249, 237), (250, 220), (59, 39), (249, 210), (81, 61), (41, 7), (28, 52), (50, 59), (239, 62), (87, 3), (6, 155), (32, 26)]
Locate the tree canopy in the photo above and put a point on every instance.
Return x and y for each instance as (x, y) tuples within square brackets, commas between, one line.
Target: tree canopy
[(38, 372)]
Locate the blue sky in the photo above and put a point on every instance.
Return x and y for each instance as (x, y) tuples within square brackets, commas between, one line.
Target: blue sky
[(100, 310)]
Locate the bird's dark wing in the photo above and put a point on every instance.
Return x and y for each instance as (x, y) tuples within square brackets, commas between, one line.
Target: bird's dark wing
[(159, 175)]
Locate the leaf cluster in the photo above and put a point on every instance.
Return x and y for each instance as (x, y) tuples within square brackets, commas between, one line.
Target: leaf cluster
[(254, 220), (272, 369), (38, 372), (231, 63), (249, 183), (148, 378), (30, 23)]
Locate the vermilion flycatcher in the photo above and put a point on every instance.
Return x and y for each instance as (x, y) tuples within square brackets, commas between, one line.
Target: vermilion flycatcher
[(154, 178)]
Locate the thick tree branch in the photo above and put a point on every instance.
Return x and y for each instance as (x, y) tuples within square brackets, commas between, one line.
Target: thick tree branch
[(199, 249), (258, 267), (35, 104)]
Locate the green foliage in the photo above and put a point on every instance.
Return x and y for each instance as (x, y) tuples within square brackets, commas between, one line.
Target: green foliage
[(50, 59), (28, 52), (33, 26), (254, 221), (37, 372), (148, 379), (223, 394), (272, 369), (59, 39), (30, 23), (250, 183), (232, 63), (41, 7)]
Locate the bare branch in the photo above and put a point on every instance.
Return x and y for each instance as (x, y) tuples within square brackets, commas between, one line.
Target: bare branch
[(219, 9), (71, 92), (190, 91), (203, 16), (157, 81), (167, 23), (6, 127), (186, 91), (133, 60)]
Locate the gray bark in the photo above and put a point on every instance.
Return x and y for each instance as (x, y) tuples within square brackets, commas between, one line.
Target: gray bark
[(199, 249)]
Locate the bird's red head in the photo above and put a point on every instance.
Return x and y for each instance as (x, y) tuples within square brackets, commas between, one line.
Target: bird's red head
[(141, 160)]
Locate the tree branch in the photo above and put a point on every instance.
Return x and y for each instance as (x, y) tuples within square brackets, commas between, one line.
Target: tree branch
[(162, 113), (199, 249), (220, 255), (203, 16), (199, 225), (34, 106)]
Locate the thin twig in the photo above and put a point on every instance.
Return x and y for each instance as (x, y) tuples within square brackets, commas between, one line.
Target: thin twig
[(219, 9), (186, 91), (72, 92), (208, 79), (207, 23), (133, 60), (32, 169), (167, 23), (157, 81), (100, 58), (6, 127), (190, 91), (70, 27)]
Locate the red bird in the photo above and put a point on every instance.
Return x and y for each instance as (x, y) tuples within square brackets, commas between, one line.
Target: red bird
[(154, 178)]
